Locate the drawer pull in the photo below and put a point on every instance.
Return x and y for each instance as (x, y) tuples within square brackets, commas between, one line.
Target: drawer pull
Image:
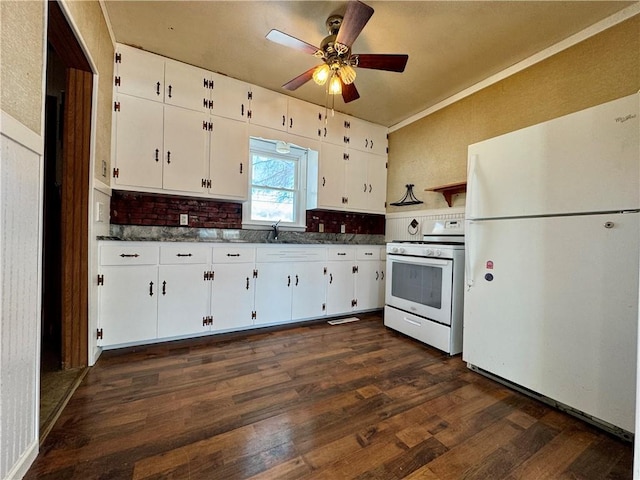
[(233, 254), (183, 255), (340, 254), (129, 255), (368, 253)]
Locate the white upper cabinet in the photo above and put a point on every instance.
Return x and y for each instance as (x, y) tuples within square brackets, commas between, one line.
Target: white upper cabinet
[(186, 150), (229, 98), (139, 73), (138, 143), (304, 119), (228, 157), (366, 136), (334, 128), (268, 108), (187, 86)]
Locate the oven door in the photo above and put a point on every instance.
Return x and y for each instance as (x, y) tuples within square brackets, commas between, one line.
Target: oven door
[(421, 286)]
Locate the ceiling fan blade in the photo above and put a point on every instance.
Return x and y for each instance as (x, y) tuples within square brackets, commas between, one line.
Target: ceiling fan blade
[(287, 40), (299, 80), (355, 18), (388, 62), (349, 92)]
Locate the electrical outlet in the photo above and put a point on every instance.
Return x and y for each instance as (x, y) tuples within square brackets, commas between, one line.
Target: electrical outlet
[(343, 228), (104, 169), (184, 219), (321, 227)]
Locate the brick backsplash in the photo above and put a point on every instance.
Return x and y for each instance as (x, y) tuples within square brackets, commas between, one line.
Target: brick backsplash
[(133, 208)]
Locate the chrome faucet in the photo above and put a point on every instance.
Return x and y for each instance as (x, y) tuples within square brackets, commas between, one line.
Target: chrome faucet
[(275, 230)]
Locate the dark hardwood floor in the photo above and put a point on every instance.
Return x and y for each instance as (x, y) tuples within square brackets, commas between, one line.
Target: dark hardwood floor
[(316, 402)]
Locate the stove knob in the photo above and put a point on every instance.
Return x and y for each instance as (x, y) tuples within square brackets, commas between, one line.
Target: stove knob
[(394, 249), (401, 249), (429, 252), (438, 252)]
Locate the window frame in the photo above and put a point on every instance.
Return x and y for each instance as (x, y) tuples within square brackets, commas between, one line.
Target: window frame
[(300, 155)]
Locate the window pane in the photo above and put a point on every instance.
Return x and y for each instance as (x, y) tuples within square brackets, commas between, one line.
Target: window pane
[(273, 172), (272, 205)]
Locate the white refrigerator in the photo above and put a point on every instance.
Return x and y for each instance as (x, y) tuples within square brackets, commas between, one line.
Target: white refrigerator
[(552, 247)]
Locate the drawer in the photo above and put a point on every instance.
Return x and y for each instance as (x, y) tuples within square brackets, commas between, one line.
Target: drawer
[(368, 253), (184, 253), (129, 254), (346, 252), (291, 254), (234, 254)]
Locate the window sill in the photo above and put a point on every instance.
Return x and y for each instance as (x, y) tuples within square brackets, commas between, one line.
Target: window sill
[(267, 226)]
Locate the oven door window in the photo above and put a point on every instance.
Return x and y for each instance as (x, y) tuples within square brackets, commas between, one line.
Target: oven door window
[(421, 284)]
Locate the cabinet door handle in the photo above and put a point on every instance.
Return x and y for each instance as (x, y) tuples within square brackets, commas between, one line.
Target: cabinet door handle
[(284, 120), (242, 110), (371, 145), (365, 188), (247, 283), (164, 288), (157, 155), (325, 132), (169, 91), (377, 275), (288, 280), (291, 122), (151, 289), (382, 275), (366, 143), (158, 88), (369, 188), (168, 157), (240, 167), (330, 278), (324, 181), (296, 280)]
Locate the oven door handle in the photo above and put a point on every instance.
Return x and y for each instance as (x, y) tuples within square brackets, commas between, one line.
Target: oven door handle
[(424, 261), (412, 322)]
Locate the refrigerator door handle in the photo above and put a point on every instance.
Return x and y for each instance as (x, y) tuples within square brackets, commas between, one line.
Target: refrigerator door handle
[(469, 259), (472, 197)]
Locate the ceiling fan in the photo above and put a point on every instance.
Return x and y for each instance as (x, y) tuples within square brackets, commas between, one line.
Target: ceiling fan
[(335, 51)]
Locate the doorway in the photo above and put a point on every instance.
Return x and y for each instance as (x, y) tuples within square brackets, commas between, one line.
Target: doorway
[(64, 316)]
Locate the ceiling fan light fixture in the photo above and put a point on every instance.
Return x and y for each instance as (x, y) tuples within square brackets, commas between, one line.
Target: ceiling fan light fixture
[(321, 74), (335, 85), (347, 74)]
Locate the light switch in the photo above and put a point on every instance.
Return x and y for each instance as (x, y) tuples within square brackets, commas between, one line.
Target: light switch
[(184, 219)]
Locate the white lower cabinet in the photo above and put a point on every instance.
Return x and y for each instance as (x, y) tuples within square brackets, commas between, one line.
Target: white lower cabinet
[(233, 288), (150, 292), (128, 305)]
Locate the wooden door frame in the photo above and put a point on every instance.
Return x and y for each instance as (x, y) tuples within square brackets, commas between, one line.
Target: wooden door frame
[(76, 160)]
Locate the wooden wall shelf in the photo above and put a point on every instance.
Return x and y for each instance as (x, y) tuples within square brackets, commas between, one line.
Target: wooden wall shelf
[(449, 190)]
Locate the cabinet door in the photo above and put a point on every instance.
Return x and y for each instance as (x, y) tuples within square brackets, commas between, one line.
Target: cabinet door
[(357, 186), (305, 119), (186, 150), (382, 266), (333, 128), (367, 284), (377, 181), (308, 295), (230, 98), (367, 137), (139, 73), (331, 176), (228, 157), (340, 285), (128, 305), (183, 300), (232, 299), (186, 86), (268, 108), (273, 293), (138, 142)]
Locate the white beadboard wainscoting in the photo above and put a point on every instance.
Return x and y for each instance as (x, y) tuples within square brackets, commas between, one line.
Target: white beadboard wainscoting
[(21, 160), (398, 228)]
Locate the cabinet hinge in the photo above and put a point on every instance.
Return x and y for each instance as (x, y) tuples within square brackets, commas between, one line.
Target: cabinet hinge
[(211, 84), (207, 104), (386, 164), (387, 150), (347, 124), (345, 156), (346, 139), (208, 320), (319, 117), (354, 269), (116, 173), (385, 204), (253, 315), (320, 132), (118, 58), (248, 113), (345, 200), (99, 334), (255, 273), (207, 126), (209, 275), (116, 106), (100, 280), (325, 270), (206, 183), (250, 95), (116, 80), (354, 303), (324, 307)]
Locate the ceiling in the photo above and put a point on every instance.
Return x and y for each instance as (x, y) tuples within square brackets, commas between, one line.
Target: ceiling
[(451, 45)]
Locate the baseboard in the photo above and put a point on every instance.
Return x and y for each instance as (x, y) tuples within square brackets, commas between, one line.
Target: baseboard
[(22, 466)]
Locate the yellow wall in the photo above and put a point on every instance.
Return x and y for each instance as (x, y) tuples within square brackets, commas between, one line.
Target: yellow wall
[(21, 60), (21, 56), (433, 150)]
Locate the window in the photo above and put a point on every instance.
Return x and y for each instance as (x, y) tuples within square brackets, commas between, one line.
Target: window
[(277, 186)]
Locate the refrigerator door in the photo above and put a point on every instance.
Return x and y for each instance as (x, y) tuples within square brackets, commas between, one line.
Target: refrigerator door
[(553, 306), (583, 162)]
